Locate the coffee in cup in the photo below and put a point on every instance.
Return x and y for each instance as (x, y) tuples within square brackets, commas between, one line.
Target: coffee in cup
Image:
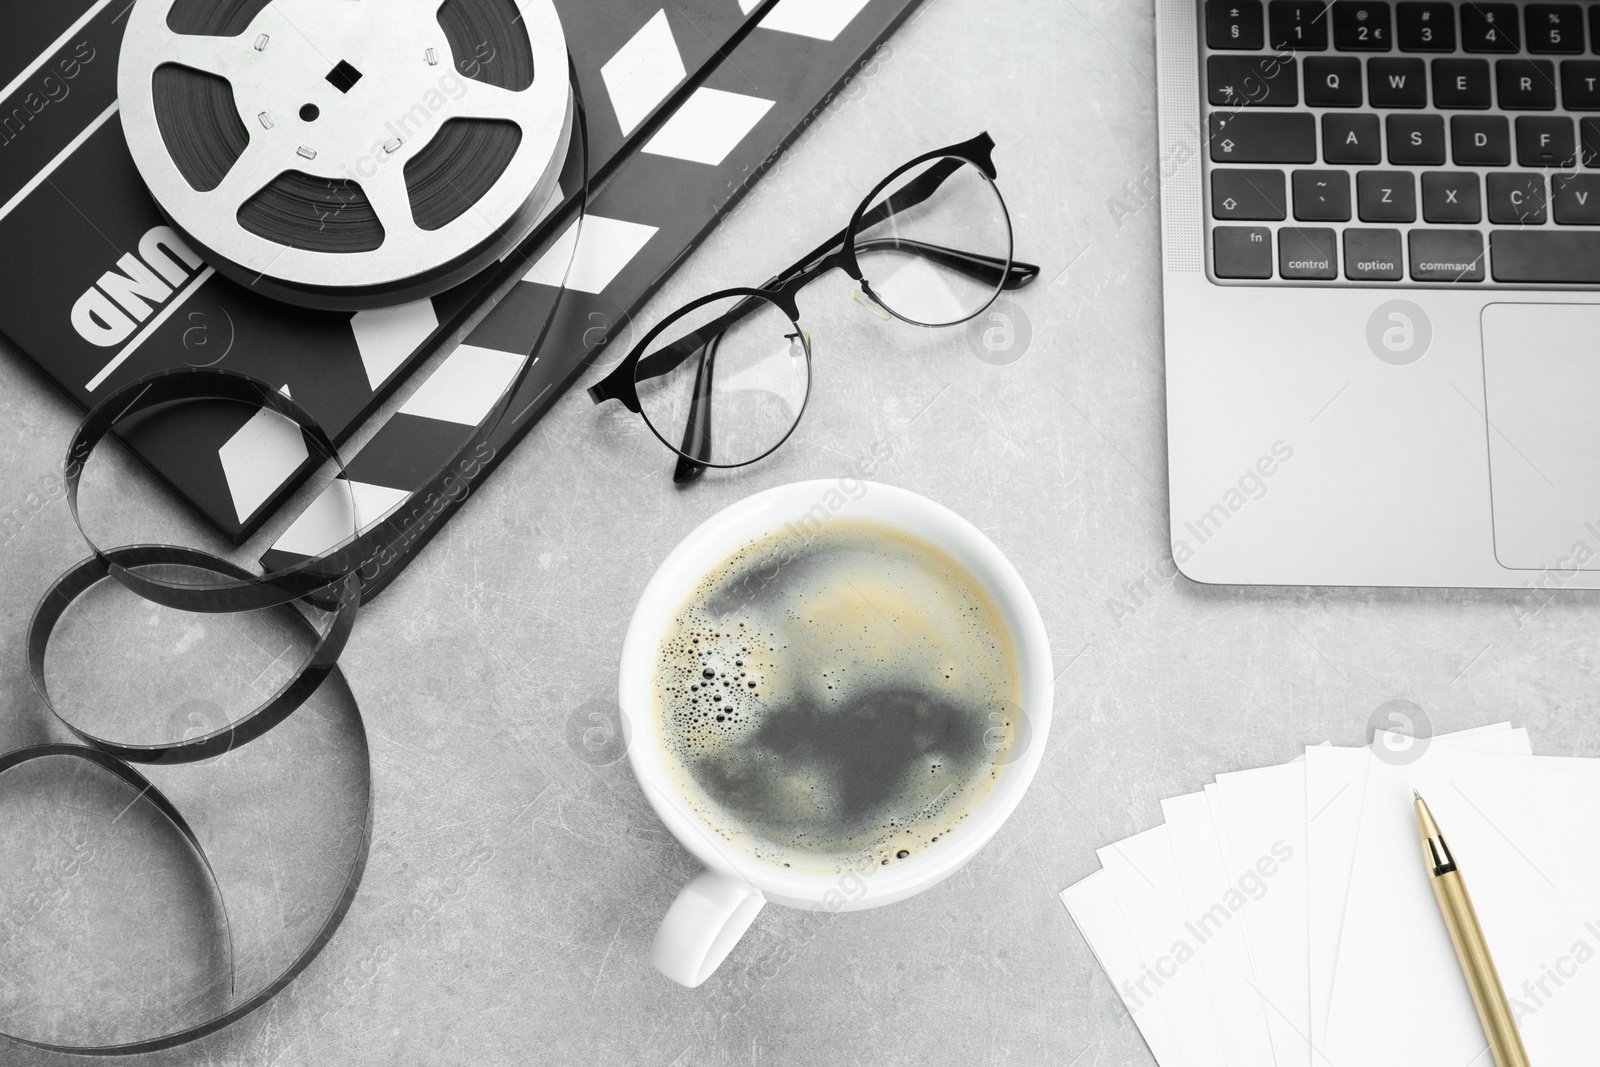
[(837, 697)]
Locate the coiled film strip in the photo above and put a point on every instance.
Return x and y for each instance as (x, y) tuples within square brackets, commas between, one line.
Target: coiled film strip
[(347, 155), (332, 581), (230, 588)]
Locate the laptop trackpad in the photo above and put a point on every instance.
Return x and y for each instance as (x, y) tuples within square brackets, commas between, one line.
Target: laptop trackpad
[(1541, 369)]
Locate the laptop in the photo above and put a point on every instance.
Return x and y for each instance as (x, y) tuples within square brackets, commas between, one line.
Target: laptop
[(1381, 256)]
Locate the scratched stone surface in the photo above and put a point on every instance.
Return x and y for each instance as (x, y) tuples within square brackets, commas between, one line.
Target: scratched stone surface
[(516, 876)]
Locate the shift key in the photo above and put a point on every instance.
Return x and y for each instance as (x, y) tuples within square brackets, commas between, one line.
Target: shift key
[(1263, 137), (1253, 195)]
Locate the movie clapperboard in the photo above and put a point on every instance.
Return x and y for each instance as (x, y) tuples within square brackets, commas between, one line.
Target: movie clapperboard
[(685, 105)]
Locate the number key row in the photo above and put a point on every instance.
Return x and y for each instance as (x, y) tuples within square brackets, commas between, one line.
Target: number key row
[(1371, 26)]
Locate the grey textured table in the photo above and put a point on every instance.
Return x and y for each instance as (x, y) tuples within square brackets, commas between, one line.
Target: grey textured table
[(516, 877)]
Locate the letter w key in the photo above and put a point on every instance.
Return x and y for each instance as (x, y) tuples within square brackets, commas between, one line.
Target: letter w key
[(1397, 82)]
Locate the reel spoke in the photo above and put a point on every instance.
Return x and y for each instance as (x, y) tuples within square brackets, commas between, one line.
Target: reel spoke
[(391, 201), (214, 55), (250, 173), (487, 102)]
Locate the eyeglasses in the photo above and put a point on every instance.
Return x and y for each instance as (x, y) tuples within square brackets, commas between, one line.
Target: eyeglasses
[(723, 380)]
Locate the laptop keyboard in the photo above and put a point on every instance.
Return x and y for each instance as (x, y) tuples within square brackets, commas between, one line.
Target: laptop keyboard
[(1370, 142)]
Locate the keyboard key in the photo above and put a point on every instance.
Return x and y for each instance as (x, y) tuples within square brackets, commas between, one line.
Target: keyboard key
[(1360, 26), (1333, 82), (1517, 199), (1546, 256), (1425, 28), (1252, 81), (1263, 137), (1554, 29), (1489, 28), (1575, 199), (1372, 255), (1298, 25), (1480, 140), (1451, 196), (1233, 24), (1386, 196), (1397, 82), (1545, 141), (1594, 28), (1526, 84), (1446, 256), (1241, 251), (1589, 134), (1416, 139), (1249, 195), (1308, 254), (1322, 195), (1351, 139), (1461, 83), (1580, 85)]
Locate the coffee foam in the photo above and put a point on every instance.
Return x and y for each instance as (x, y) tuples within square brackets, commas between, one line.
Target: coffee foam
[(838, 700)]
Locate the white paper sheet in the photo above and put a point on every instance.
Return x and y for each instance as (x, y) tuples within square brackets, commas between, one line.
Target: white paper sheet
[(1335, 787), (1144, 881), (1263, 814), (1520, 829), (1215, 896), (1096, 911)]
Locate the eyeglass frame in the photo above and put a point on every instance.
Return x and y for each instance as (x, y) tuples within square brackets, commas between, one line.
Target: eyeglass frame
[(782, 290)]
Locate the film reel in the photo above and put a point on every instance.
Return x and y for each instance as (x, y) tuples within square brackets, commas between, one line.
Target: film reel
[(353, 154)]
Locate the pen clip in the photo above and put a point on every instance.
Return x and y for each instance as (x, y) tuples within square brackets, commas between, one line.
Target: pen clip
[(1440, 861)]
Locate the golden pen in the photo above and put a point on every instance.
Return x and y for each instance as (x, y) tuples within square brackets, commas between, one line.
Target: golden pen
[(1471, 949)]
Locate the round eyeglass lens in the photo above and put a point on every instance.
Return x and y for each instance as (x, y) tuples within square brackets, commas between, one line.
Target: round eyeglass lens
[(934, 245), (724, 383)]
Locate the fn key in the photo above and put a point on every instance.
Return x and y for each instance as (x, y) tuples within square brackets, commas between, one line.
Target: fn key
[(1242, 251)]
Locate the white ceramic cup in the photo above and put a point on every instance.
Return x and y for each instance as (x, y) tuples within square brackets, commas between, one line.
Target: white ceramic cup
[(717, 906)]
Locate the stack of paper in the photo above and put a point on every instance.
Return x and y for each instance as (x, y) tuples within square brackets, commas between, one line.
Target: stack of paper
[(1283, 917)]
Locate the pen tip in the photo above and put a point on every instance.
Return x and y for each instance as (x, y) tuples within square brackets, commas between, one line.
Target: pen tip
[(1416, 794)]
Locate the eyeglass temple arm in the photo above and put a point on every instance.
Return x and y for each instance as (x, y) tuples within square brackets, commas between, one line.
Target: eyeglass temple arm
[(670, 357), (817, 260), (913, 193), (697, 431), (986, 269), (975, 265)]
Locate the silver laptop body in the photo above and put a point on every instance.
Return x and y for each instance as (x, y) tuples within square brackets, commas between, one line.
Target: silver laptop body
[(1436, 428)]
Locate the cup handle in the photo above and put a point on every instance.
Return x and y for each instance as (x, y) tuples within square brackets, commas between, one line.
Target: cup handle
[(709, 917)]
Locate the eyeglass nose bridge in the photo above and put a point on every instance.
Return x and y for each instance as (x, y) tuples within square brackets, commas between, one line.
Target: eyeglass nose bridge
[(786, 294), (785, 299)]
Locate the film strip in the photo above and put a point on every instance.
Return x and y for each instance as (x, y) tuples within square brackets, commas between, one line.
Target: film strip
[(229, 588), (331, 580), (91, 249), (697, 161)]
